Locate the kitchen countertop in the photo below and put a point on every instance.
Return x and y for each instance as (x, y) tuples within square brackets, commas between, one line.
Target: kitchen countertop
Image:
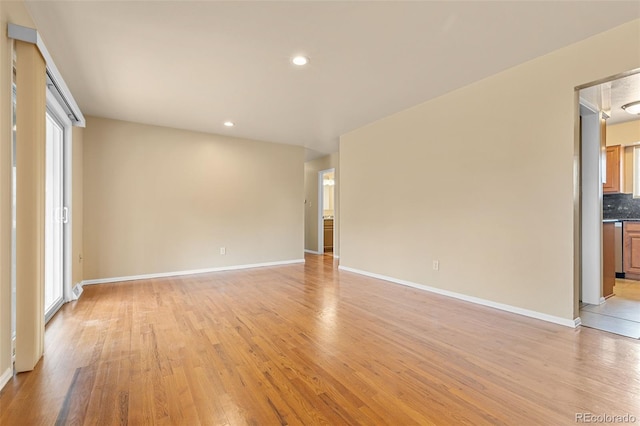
[(620, 220)]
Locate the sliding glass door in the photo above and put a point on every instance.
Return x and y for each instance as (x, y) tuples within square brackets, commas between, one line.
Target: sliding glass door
[(56, 215)]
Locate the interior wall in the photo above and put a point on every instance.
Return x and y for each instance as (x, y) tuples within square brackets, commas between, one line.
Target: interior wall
[(77, 205), (161, 200), (628, 135), (311, 169), (14, 12), (482, 180)]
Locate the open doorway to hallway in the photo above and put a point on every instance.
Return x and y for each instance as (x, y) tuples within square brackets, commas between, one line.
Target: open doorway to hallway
[(610, 205), (326, 210)]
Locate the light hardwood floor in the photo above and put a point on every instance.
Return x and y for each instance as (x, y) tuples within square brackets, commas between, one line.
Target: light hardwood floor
[(627, 289), (308, 344), (619, 314)]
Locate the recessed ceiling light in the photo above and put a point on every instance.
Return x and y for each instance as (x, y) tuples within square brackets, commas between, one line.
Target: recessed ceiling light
[(300, 60), (632, 107), (229, 123)]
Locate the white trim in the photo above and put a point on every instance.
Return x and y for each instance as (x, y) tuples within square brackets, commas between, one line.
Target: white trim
[(320, 213), (190, 272), (53, 310), (311, 251), (6, 376), (54, 107), (590, 108), (466, 298), (67, 201), (30, 35), (636, 172), (592, 170), (577, 322)]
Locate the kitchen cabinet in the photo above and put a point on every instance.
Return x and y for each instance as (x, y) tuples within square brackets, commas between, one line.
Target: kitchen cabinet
[(608, 258), (613, 182), (328, 235), (631, 249)]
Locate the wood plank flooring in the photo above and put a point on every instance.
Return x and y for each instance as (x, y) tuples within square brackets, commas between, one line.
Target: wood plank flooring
[(308, 344)]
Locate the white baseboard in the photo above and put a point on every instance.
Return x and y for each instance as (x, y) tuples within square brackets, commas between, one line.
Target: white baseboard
[(577, 322), (190, 272), (6, 376), (472, 299)]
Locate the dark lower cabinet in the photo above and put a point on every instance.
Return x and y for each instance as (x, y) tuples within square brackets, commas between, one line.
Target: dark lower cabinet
[(328, 235)]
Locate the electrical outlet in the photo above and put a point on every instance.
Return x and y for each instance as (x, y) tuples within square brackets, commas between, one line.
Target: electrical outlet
[(223, 250), (436, 265)]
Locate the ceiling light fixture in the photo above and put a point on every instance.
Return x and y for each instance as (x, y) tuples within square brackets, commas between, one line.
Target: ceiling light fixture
[(229, 123), (300, 60), (632, 107)]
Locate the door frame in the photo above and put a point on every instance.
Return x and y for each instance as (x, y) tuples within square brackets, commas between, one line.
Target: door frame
[(586, 214), (53, 107), (592, 172), (321, 209)]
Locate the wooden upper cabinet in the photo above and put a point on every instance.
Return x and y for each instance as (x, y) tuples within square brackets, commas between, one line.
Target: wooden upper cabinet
[(613, 176)]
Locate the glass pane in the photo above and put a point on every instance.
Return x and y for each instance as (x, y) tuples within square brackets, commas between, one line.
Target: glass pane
[(53, 217), (13, 210)]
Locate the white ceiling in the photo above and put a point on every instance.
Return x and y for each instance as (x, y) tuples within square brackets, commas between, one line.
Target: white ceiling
[(194, 65), (611, 95)]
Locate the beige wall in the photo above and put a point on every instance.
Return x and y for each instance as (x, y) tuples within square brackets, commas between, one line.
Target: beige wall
[(159, 200), (16, 13), (481, 179), (76, 208), (311, 169), (625, 134)]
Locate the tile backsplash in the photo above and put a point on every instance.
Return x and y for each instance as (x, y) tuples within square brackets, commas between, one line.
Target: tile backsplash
[(620, 206)]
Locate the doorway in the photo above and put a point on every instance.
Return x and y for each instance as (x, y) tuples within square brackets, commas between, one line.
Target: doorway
[(610, 203), (57, 215), (326, 210)]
